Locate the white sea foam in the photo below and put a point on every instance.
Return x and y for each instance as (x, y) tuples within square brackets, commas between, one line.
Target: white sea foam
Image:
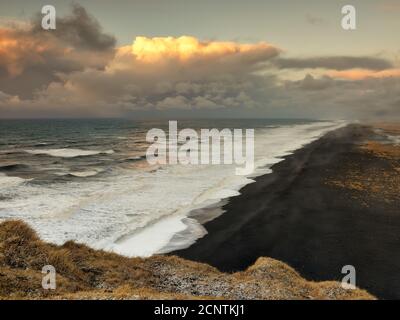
[(140, 212), (394, 139), (152, 235), (7, 182), (67, 152), (84, 174)]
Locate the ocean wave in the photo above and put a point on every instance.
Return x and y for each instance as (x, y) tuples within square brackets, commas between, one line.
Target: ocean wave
[(84, 174), (68, 153), (13, 167), (8, 182), (41, 144), (135, 158)]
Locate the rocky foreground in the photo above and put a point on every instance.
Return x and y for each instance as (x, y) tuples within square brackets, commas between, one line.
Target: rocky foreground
[(84, 273)]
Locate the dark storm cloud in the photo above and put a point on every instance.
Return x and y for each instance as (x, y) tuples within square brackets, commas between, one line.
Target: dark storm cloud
[(334, 63), (80, 30), (311, 83), (31, 58), (370, 98)]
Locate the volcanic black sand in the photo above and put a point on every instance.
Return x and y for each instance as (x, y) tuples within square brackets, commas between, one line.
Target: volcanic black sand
[(318, 211)]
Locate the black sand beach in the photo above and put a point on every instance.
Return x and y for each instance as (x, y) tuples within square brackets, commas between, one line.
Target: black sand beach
[(315, 213)]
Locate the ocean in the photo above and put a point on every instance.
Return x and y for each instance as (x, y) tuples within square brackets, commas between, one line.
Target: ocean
[(89, 180)]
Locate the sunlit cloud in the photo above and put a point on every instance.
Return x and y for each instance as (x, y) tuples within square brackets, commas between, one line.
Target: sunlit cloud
[(334, 62), (362, 74), (185, 48)]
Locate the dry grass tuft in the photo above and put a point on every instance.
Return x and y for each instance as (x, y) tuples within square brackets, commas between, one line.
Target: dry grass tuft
[(388, 151), (378, 179)]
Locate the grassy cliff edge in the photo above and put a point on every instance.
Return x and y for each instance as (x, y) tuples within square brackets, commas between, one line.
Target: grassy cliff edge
[(85, 273)]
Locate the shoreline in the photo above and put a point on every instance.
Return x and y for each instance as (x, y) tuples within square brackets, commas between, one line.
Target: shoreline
[(298, 214), (184, 225)]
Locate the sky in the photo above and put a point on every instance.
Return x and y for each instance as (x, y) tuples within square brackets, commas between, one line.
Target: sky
[(187, 58)]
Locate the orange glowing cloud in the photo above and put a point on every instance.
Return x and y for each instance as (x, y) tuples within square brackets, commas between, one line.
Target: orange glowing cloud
[(184, 48), (18, 50), (362, 74)]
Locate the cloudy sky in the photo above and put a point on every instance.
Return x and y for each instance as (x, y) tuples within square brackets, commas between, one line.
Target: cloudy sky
[(191, 58)]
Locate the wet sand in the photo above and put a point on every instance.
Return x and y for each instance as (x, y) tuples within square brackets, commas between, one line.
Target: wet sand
[(332, 203)]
